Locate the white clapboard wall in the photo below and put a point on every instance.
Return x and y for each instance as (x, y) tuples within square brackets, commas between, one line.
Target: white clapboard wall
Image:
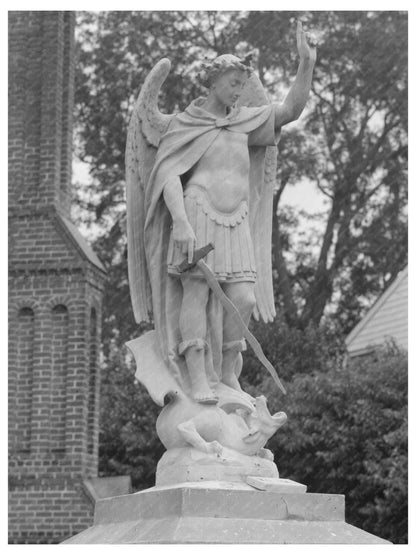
[(387, 319)]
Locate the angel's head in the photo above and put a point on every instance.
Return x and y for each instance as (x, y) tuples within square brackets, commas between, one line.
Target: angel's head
[(225, 77)]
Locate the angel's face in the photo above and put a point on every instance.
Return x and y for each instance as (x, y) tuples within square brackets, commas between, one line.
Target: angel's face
[(228, 86)]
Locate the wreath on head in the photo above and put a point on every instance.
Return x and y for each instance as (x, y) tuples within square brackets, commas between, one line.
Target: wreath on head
[(211, 70)]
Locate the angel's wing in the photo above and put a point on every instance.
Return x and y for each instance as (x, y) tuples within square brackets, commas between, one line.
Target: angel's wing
[(263, 161), (146, 127)]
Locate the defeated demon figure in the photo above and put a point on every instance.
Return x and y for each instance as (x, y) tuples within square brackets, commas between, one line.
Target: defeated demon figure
[(211, 429)]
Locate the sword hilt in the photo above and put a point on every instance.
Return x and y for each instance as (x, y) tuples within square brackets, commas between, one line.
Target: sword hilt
[(185, 266)]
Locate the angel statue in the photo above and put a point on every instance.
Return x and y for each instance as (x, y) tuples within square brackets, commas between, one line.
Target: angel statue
[(200, 185)]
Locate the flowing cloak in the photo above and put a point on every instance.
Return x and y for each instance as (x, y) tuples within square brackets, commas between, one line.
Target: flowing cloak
[(188, 137)]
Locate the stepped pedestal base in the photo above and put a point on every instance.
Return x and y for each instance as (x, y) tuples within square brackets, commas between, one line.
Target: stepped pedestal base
[(222, 512)]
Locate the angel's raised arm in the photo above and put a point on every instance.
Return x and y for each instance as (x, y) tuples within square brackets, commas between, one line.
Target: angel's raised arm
[(296, 99)]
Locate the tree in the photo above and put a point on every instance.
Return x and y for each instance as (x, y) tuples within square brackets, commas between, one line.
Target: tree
[(351, 143), (347, 433), (353, 148), (128, 441)]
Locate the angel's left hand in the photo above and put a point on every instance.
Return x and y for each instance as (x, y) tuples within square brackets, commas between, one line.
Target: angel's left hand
[(306, 51)]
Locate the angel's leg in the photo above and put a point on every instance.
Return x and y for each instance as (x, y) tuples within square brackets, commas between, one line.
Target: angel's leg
[(242, 295), (193, 328)]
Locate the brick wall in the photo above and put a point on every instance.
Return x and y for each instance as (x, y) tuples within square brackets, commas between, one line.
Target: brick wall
[(34, 505), (55, 294), (53, 421), (41, 96)]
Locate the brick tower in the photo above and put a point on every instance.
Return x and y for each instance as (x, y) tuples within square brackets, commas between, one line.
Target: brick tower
[(55, 292)]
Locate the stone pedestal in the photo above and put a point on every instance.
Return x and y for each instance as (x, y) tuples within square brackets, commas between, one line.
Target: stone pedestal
[(221, 512)]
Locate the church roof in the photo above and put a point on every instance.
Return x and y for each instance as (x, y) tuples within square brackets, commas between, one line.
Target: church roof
[(82, 245), (387, 319)]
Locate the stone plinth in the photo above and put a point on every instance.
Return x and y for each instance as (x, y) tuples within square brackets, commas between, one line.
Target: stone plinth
[(222, 512)]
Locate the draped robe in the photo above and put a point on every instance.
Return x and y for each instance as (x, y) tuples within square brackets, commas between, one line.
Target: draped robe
[(188, 137)]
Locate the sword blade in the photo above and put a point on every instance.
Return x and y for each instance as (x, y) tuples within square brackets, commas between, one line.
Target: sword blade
[(233, 311)]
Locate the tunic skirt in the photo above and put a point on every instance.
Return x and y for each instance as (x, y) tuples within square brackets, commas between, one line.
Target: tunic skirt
[(233, 256)]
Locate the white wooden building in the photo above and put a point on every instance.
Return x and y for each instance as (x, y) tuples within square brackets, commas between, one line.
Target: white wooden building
[(387, 319)]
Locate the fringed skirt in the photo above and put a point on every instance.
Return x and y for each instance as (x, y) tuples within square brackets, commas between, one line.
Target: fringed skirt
[(233, 256)]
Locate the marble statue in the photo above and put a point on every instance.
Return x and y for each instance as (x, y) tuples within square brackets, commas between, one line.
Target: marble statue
[(199, 211)]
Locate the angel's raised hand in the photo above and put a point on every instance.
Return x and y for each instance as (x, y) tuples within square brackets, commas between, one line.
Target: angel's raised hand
[(306, 51)]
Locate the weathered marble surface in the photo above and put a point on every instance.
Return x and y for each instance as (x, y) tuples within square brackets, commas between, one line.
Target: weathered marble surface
[(222, 512), (277, 485), (200, 188), (225, 441), (191, 465)]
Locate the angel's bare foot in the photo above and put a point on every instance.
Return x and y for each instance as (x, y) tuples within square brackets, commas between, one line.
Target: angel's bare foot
[(194, 351)]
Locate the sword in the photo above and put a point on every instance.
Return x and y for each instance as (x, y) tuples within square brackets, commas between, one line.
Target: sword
[(229, 306)]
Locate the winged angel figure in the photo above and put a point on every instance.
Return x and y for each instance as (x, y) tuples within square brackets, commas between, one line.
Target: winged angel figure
[(202, 176)]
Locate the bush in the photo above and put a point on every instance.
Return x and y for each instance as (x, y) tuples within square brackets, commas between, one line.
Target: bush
[(128, 441), (347, 433), (292, 351)]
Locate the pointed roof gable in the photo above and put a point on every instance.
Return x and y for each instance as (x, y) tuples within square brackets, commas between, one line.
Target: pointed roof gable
[(386, 319)]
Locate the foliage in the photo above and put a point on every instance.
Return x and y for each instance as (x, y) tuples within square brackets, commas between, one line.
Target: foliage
[(291, 351), (353, 147), (347, 433), (128, 441), (351, 143)]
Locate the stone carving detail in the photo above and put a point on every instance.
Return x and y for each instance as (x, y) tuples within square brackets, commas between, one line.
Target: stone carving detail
[(199, 211)]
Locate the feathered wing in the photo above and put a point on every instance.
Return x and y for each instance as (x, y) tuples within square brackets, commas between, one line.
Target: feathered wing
[(146, 127), (262, 224), (263, 162)]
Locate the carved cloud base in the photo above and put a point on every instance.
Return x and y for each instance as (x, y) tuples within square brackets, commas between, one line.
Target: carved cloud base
[(187, 464)]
